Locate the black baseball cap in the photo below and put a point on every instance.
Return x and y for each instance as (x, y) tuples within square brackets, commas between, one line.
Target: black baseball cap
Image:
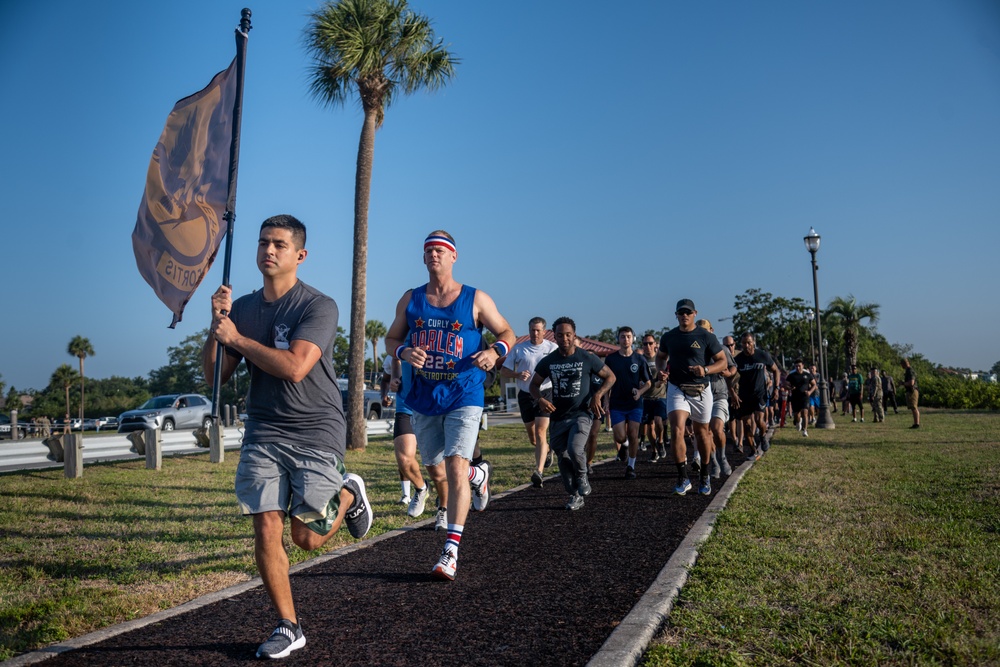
[(685, 304)]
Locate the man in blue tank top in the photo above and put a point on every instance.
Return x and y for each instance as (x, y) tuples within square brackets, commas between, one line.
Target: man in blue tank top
[(438, 330)]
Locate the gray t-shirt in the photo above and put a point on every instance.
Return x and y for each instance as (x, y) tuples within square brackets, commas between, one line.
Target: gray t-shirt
[(309, 413), (720, 389)]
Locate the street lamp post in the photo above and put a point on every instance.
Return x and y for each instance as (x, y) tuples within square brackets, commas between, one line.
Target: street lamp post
[(826, 359), (824, 419), (812, 345)]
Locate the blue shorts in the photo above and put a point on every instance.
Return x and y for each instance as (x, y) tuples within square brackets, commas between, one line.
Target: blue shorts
[(814, 400), (618, 416), (653, 408)]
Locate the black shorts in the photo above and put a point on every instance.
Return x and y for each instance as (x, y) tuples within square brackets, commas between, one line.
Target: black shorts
[(799, 403), (752, 404), (401, 425), (855, 399), (652, 408), (527, 405)]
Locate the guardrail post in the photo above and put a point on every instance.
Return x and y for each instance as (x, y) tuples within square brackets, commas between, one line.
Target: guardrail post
[(73, 456), (225, 416), (216, 448), (154, 448), (138, 440), (55, 445), (13, 425)]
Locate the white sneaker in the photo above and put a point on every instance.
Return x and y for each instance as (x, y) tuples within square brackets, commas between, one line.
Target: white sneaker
[(446, 565), (418, 502), (805, 433), (403, 500), (481, 492), (441, 522)]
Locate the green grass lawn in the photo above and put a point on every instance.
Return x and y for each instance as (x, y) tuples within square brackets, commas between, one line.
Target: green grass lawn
[(123, 542), (871, 544)]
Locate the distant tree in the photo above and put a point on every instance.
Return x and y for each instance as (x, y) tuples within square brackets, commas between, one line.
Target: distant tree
[(779, 324), (850, 314), (65, 377), (341, 351), (183, 372), (13, 400), (605, 336), (377, 49), (995, 370), (80, 348), (375, 331), (3, 384)]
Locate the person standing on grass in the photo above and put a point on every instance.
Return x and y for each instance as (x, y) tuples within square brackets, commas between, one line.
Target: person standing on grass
[(694, 354), (632, 381), (803, 385), (875, 395), (889, 393), (438, 330), (754, 365), (520, 364), (292, 459), (855, 387), (912, 394), (573, 406)]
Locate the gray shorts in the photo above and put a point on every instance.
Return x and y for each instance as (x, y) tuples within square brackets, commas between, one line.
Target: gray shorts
[(451, 434), (304, 483)]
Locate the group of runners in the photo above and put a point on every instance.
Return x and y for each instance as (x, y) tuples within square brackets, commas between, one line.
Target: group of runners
[(677, 388)]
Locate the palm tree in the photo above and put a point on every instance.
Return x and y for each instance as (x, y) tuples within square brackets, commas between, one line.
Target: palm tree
[(64, 377), (81, 348), (377, 49), (849, 314), (375, 331)]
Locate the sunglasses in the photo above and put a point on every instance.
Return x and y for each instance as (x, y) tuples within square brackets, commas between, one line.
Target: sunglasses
[(649, 342), (684, 312)]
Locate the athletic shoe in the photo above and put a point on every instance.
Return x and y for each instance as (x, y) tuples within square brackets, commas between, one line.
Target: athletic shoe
[(575, 502), (915, 426), (359, 515), (805, 433), (629, 472), (765, 443), (854, 420), (714, 469), (536, 479), (622, 453), (416, 507), (862, 420), (286, 638), (403, 500), (696, 464), (481, 492), (663, 451), (654, 455), (441, 521), (726, 468), (706, 487), (583, 485), (590, 470), (683, 487), (642, 446), (550, 460), (445, 568)]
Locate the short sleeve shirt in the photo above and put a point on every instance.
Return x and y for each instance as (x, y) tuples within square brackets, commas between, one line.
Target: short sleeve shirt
[(524, 357), (659, 389), (689, 348), (572, 380), (800, 382), (908, 375), (308, 413), (630, 372), (753, 372)]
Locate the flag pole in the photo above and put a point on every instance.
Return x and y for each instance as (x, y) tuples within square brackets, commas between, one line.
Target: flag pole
[(242, 33)]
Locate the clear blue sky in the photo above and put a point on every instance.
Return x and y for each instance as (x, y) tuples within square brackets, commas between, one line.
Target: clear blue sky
[(593, 160)]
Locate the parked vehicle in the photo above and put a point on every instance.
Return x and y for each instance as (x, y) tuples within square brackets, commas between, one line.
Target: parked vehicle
[(373, 402), (106, 422), (22, 427), (88, 424), (168, 412)]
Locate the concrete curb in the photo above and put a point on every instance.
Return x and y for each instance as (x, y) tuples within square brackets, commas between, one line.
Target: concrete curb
[(629, 641), (625, 646)]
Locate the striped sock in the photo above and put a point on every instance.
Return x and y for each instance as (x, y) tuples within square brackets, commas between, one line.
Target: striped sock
[(476, 475), (454, 536)]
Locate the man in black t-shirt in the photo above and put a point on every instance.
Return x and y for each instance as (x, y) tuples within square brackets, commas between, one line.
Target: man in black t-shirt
[(573, 405), (803, 386), (753, 364), (694, 354)]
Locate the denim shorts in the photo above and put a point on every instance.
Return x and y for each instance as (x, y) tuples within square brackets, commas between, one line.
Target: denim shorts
[(299, 481), (451, 434)]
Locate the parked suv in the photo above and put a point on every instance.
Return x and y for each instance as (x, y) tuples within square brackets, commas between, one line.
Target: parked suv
[(373, 402), (167, 413)]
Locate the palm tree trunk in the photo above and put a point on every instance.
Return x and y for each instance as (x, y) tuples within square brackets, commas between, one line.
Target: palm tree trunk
[(81, 397), (357, 429)]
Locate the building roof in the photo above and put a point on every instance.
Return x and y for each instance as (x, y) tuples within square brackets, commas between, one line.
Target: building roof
[(589, 344)]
